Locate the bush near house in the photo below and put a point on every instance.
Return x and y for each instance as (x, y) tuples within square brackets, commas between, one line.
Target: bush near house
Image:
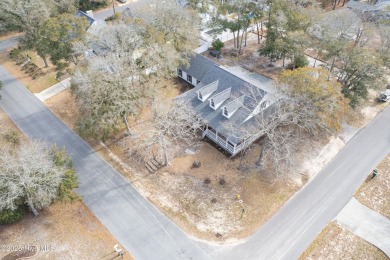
[(114, 17), (217, 44)]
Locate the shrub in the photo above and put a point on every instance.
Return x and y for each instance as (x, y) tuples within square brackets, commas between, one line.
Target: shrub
[(114, 17), (69, 181), (59, 74), (12, 216), (12, 136), (15, 53), (217, 44), (222, 181), (206, 181), (301, 61)]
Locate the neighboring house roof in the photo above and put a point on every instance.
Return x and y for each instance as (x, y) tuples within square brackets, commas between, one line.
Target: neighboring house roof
[(198, 67), (381, 5), (228, 90), (90, 19)]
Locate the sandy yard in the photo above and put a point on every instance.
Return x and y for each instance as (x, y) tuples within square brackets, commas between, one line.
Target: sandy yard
[(70, 230), (375, 193), (336, 242), (34, 85), (66, 230), (249, 58)]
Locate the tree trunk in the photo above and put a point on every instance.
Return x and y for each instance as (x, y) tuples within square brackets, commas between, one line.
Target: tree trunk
[(258, 33), (127, 124), (45, 61), (261, 27), (240, 46), (164, 150), (343, 2), (315, 60), (260, 161), (234, 39), (238, 39), (284, 56), (31, 206), (246, 35), (334, 5)]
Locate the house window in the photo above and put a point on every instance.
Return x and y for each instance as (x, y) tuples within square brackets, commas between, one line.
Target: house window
[(225, 111), (197, 82), (189, 78), (200, 96), (180, 73), (212, 103)]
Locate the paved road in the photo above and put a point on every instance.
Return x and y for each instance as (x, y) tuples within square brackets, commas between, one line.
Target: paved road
[(366, 223), (8, 43), (297, 224), (134, 222), (103, 14)]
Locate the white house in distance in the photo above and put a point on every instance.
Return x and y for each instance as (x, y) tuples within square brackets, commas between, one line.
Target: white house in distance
[(225, 101)]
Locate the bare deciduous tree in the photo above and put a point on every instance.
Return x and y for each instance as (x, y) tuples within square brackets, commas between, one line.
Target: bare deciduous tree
[(171, 124), (304, 103), (29, 175)]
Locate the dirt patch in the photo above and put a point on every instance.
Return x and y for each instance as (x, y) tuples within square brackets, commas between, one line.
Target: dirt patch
[(375, 193), (34, 85), (335, 242), (65, 107), (249, 58), (63, 231)]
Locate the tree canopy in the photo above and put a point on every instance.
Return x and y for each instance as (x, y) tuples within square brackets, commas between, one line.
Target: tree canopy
[(312, 88), (133, 58), (34, 175), (57, 37)]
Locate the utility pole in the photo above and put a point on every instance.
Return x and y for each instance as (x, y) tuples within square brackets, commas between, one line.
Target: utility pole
[(113, 6)]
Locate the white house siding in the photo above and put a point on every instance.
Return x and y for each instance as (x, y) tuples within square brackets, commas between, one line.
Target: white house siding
[(184, 76)]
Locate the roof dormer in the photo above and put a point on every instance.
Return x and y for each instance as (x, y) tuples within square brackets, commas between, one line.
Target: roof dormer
[(207, 90), (219, 98), (233, 106)]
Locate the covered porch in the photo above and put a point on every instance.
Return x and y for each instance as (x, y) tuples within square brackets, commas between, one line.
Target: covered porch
[(226, 144)]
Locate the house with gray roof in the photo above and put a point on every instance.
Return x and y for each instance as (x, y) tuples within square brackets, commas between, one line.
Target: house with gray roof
[(226, 102), (379, 10)]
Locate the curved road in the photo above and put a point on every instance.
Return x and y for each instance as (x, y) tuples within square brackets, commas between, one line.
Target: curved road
[(148, 234)]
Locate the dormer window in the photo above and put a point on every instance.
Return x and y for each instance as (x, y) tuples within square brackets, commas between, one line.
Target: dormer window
[(212, 103), (180, 72), (206, 91), (189, 78), (225, 111)]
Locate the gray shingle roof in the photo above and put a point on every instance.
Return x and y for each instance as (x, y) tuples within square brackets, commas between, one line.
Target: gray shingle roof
[(199, 65), (233, 89)]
